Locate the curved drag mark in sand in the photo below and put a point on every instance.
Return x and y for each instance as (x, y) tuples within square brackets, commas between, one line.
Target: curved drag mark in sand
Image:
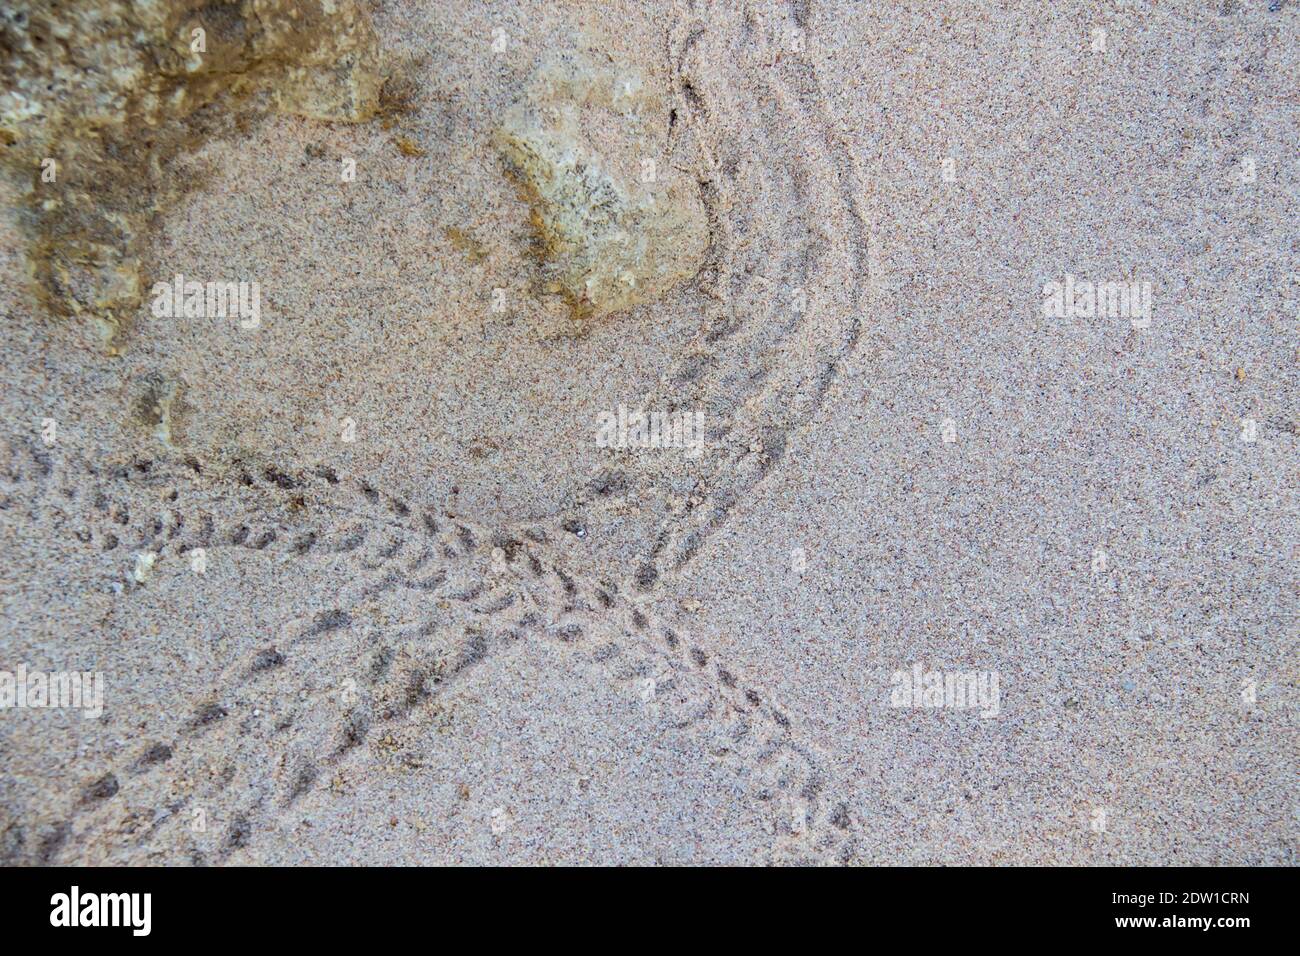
[(772, 362), (784, 280), (761, 370)]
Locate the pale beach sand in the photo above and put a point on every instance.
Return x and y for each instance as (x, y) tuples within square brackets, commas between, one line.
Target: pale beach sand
[(459, 631)]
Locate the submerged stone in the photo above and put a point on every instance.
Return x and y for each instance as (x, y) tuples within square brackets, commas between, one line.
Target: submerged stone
[(615, 223)]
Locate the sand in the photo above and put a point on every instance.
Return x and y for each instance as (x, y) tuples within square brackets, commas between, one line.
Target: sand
[(436, 622)]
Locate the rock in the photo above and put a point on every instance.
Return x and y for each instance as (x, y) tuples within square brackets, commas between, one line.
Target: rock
[(615, 223), (97, 95)]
